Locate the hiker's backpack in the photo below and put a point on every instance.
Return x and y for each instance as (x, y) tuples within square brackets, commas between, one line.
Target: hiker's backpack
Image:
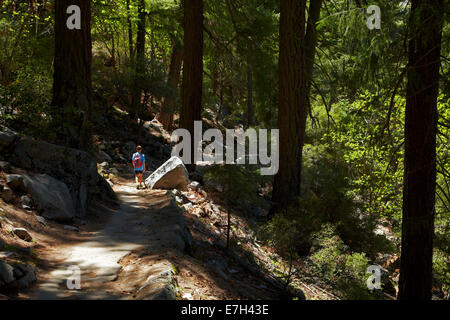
[(137, 162)]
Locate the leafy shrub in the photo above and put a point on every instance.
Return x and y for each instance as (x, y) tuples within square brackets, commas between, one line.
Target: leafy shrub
[(337, 265), (283, 235), (24, 104)]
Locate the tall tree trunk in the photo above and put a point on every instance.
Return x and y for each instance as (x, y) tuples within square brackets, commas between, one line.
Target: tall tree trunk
[(292, 106), (311, 44), (420, 150), (72, 86), (130, 30), (136, 109), (193, 69), (173, 80), (250, 107)]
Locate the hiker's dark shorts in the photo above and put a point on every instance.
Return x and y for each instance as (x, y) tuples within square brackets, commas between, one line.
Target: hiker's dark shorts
[(138, 171)]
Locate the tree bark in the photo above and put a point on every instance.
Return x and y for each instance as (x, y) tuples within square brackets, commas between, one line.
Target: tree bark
[(311, 44), (250, 107), (140, 62), (292, 106), (130, 30), (173, 80), (72, 85), (421, 116), (193, 69)]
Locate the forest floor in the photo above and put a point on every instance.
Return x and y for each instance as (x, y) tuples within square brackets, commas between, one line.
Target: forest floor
[(116, 248), (111, 249)]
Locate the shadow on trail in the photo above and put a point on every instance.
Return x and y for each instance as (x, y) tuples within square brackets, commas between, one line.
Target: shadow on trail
[(150, 224)]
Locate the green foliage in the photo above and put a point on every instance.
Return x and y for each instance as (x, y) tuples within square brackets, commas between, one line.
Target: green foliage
[(283, 235), (150, 80), (441, 266), (25, 102), (336, 264), (353, 157), (238, 182)]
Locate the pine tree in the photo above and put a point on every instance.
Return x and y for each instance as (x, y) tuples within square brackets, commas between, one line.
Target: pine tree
[(193, 68), (72, 86), (420, 150)]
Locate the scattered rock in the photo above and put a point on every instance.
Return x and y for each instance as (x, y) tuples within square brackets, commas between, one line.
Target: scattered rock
[(76, 168), (27, 202), (6, 273), (212, 210), (41, 220), (194, 185), (179, 200), (71, 228), (176, 193), (171, 175), (52, 197), (15, 182), (198, 212), (7, 194), (187, 296), (188, 206), (104, 165), (5, 166), (28, 275), (158, 286), (22, 234)]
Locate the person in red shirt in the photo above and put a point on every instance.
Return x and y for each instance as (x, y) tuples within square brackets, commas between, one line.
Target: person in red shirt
[(139, 167)]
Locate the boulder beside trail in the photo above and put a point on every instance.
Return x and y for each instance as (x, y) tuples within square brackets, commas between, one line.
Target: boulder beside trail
[(7, 138), (160, 285), (6, 194), (52, 197), (5, 166), (76, 168), (14, 181), (6, 273), (23, 234), (171, 175), (16, 275)]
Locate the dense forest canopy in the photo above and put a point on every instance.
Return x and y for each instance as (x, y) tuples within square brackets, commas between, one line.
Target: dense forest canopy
[(342, 166)]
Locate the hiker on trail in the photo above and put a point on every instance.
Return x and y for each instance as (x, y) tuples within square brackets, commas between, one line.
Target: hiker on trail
[(139, 167)]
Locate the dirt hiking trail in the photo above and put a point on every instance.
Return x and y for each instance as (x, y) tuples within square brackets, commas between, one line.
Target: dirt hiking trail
[(141, 221)]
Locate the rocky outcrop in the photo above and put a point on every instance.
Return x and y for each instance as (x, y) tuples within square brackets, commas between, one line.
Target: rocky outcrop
[(6, 194), (14, 181), (5, 166), (6, 273), (52, 197), (174, 232), (23, 234), (75, 168), (171, 175), (159, 285), (16, 275)]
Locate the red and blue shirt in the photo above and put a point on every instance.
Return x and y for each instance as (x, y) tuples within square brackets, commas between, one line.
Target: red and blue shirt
[(138, 161)]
